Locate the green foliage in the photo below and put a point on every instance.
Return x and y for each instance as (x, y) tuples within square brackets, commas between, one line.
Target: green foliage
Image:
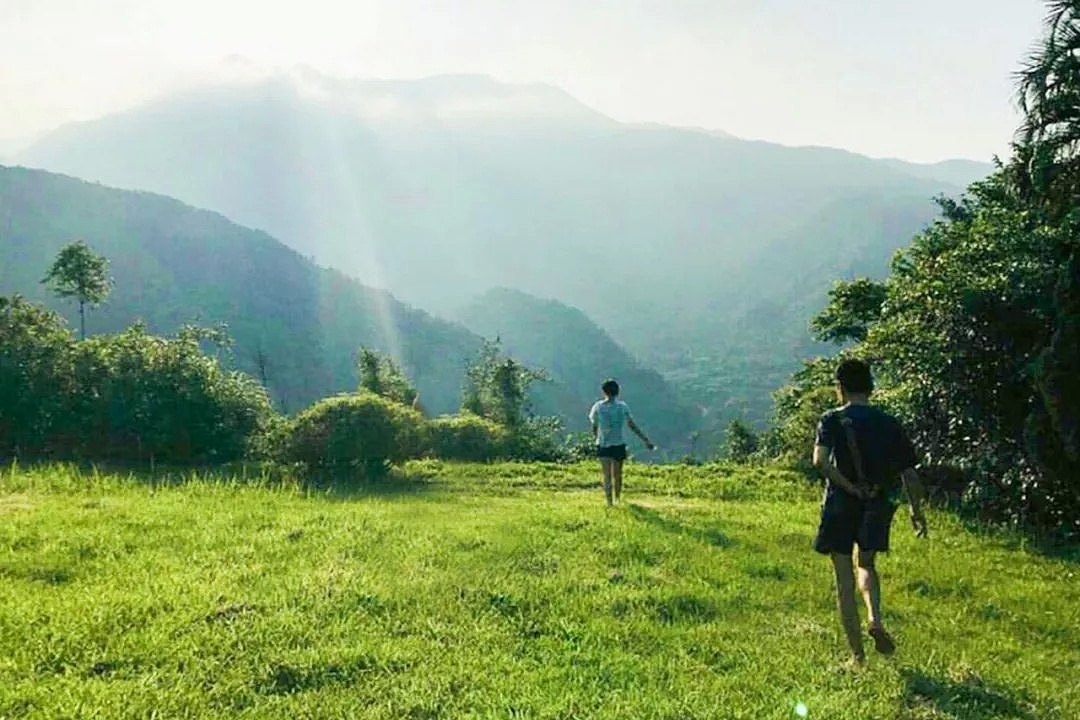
[(80, 273), (142, 397), (579, 446), (799, 405), (536, 439), (969, 307), (740, 442), (497, 387), (1046, 171), (128, 397), (359, 430), (1048, 155), (853, 307), (296, 326), (379, 374), (467, 437), (577, 356), (977, 337), (35, 377)]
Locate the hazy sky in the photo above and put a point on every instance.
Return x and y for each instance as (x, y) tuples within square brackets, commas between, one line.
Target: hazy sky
[(918, 79)]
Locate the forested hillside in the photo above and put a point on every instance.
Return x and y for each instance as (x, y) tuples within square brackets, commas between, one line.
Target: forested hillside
[(293, 323), (578, 355), (442, 188)]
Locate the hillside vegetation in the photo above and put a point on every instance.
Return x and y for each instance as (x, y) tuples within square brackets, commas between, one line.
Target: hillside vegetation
[(294, 323), (975, 333), (500, 591), (441, 188), (577, 356)]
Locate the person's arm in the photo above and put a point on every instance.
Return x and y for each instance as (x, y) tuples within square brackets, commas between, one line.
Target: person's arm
[(907, 458), (913, 489), (640, 433), (823, 463)]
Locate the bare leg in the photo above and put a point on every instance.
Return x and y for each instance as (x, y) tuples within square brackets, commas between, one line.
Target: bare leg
[(617, 473), (870, 586), (849, 611), (606, 466)]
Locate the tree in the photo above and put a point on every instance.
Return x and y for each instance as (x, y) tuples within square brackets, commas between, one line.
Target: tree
[(497, 386), (1047, 167), (853, 307), (35, 377), (80, 273), (1048, 149), (379, 374), (740, 442)]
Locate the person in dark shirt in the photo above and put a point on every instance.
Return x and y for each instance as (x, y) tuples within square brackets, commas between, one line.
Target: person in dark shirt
[(861, 450)]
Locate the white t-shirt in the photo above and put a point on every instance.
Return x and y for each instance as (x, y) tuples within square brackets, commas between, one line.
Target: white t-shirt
[(609, 419)]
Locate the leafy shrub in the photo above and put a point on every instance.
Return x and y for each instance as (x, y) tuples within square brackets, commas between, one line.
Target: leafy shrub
[(497, 387), (35, 376), (799, 406), (143, 397), (467, 437), (740, 442), (536, 440), (579, 446), (379, 374), (131, 396), (354, 429)]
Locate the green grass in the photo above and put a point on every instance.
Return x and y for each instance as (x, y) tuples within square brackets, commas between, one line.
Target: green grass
[(501, 591)]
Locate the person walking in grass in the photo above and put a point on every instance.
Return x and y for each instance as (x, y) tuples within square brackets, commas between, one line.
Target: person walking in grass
[(608, 417), (861, 449)]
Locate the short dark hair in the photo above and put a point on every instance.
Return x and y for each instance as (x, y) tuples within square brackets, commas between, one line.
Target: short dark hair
[(854, 376), (610, 388)]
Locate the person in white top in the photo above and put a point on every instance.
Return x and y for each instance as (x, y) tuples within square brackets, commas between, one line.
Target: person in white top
[(608, 416)]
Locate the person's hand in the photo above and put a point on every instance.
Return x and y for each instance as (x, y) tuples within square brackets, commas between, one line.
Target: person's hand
[(918, 523), (862, 491), (651, 446)]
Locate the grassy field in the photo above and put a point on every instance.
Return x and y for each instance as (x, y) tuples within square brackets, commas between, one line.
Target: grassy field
[(504, 591)]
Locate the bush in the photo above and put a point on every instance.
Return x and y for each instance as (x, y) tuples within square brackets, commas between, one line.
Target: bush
[(35, 376), (467, 437), (125, 397), (141, 397), (355, 429), (578, 447), (536, 440), (740, 442)]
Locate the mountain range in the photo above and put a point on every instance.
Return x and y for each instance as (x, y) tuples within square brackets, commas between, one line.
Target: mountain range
[(294, 325), (703, 254)]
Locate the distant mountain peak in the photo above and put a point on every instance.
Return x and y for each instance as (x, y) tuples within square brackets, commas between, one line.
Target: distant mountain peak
[(449, 99)]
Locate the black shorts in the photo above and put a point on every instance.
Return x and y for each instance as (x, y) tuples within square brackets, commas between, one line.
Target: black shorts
[(847, 521), (614, 452)]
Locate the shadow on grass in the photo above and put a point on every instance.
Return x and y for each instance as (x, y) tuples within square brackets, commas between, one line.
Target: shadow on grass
[(355, 485), (1048, 546), (964, 699), (709, 536)]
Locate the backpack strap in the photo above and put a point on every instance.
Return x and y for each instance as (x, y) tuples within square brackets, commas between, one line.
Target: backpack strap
[(853, 448)]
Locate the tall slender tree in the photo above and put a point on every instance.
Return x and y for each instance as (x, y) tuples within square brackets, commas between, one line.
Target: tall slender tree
[(80, 273)]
